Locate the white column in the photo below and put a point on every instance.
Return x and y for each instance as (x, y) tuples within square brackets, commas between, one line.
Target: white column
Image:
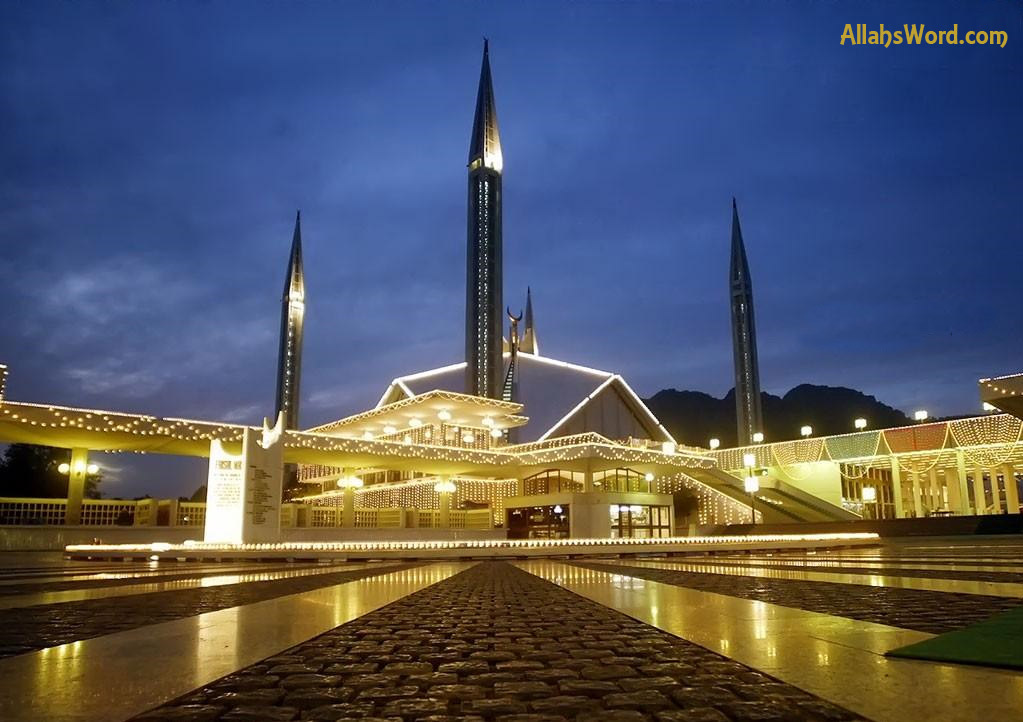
[(978, 490), (964, 492), (936, 497), (955, 502), (445, 509), (348, 506), (996, 491), (1011, 490), (917, 505), (76, 486), (897, 488)]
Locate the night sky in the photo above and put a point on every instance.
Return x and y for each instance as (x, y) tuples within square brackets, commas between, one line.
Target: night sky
[(153, 156)]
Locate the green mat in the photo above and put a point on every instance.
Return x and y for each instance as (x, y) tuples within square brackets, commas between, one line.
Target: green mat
[(995, 642)]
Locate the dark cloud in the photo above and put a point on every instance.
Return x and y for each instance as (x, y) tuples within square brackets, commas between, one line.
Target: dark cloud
[(154, 155)]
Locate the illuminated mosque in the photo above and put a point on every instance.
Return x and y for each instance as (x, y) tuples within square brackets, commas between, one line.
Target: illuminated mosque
[(508, 442)]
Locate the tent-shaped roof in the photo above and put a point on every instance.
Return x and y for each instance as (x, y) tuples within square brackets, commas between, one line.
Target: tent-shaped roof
[(555, 394)]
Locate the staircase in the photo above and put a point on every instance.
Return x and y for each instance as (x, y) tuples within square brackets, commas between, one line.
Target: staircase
[(778, 501)]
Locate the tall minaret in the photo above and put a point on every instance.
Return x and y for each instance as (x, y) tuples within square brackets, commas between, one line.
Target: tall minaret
[(484, 308), (744, 340), (529, 342), (289, 359)]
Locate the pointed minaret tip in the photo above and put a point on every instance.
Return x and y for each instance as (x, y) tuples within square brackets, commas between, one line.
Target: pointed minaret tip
[(486, 46)]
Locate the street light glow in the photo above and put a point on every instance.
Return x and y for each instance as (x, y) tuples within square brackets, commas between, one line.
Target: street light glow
[(860, 423), (758, 437), (749, 460), (920, 415), (715, 443), (805, 430)]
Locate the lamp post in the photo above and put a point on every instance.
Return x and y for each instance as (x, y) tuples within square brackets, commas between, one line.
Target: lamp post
[(860, 424), (758, 437), (752, 484), (715, 443), (806, 431), (920, 415)]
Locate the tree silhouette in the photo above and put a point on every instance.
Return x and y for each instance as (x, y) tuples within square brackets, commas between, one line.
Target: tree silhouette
[(29, 470)]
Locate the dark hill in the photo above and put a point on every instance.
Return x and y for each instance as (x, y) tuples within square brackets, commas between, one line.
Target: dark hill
[(694, 417)]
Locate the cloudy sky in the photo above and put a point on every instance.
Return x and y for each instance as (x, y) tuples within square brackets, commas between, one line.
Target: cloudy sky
[(154, 154)]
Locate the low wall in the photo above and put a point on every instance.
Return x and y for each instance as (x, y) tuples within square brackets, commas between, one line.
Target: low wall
[(51, 538), (929, 526)]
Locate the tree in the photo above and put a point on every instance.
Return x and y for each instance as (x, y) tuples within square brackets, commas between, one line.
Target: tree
[(31, 470)]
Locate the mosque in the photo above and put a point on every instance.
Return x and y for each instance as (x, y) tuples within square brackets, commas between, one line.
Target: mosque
[(560, 400), (508, 441)]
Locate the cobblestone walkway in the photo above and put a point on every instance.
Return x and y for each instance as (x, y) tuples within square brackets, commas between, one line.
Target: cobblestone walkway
[(24, 629), (924, 611), (496, 643)]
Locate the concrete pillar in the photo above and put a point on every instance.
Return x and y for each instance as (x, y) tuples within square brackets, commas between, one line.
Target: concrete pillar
[(918, 509), (445, 509), (76, 486), (1011, 490), (955, 502), (978, 490), (996, 491), (587, 480), (897, 488), (348, 506), (964, 492), (937, 499)]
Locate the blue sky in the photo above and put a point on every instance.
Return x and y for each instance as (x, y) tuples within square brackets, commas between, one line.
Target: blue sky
[(154, 155)]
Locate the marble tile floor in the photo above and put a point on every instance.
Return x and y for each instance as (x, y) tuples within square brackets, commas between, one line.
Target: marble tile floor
[(807, 654), (874, 578)]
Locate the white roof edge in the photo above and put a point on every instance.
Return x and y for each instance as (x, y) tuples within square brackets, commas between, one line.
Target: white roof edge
[(431, 372), (565, 364), (578, 407), (649, 413)]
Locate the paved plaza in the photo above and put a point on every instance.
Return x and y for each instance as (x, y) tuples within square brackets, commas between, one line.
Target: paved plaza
[(724, 638)]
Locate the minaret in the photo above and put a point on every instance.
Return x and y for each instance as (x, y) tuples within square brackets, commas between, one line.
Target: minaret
[(289, 359), (744, 340), (483, 301), (529, 343)]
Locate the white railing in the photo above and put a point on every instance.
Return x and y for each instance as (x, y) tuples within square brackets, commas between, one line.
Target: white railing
[(150, 512)]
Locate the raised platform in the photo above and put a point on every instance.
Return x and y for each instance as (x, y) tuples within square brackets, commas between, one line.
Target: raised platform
[(468, 549)]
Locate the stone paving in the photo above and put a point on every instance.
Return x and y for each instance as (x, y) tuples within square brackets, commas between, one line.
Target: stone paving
[(497, 643), (119, 578), (892, 571), (25, 629), (921, 610)]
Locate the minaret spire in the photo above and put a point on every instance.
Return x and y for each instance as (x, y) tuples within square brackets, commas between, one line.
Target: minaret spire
[(529, 342), (289, 359), (749, 418), (484, 321)]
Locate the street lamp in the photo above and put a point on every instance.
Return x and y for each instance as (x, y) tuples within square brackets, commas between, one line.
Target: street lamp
[(920, 415), (752, 484), (989, 407), (758, 437), (752, 487), (805, 431), (715, 443), (860, 424)]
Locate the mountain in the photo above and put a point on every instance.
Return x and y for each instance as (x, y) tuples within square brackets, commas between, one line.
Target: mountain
[(694, 417)]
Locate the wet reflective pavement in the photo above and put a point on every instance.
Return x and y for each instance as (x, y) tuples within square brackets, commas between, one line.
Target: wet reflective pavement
[(763, 636)]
